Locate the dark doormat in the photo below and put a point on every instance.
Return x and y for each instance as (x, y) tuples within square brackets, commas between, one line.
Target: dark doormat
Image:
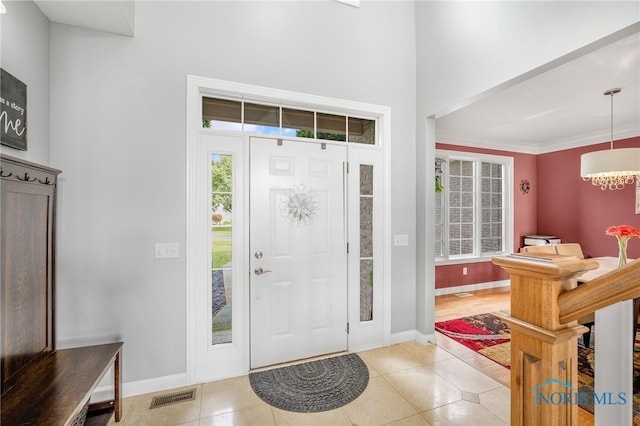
[(313, 386)]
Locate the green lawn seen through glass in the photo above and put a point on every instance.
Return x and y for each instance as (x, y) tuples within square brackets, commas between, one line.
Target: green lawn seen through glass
[(220, 253), (221, 246)]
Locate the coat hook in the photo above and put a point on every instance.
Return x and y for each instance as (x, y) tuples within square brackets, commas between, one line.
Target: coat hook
[(3, 175), (26, 178), (47, 181)]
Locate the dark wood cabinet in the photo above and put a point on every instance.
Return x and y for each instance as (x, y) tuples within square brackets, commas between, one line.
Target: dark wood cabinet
[(27, 224)]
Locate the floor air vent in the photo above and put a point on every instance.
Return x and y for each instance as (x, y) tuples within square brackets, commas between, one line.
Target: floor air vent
[(463, 294), (173, 398)]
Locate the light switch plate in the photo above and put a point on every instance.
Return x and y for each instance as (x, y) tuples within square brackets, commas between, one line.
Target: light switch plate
[(401, 240), (166, 250)]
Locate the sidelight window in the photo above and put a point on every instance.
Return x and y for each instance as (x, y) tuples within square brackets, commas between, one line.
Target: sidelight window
[(366, 242), (221, 248)]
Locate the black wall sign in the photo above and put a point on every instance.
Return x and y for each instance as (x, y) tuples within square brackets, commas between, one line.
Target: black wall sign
[(13, 111)]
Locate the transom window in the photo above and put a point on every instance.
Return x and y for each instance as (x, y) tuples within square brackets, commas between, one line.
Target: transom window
[(473, 212), (225, 114)]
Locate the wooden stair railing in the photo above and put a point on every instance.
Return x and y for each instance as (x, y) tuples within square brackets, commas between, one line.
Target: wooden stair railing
[(545, 304), (616, 286)]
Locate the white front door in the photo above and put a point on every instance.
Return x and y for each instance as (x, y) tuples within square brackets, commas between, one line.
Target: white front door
[(298, 252)]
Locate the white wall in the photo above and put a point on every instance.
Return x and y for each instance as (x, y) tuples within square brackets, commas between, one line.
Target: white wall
[(118, 134), (464, 50), (25, 55)]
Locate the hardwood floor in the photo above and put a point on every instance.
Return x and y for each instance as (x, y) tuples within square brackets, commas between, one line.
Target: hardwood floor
[(458, 305), (452, 306)]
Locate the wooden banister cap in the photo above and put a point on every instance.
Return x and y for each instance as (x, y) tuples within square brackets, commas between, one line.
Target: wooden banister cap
[(544, 263)]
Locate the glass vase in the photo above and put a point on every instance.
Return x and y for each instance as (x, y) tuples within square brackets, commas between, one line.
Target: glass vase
[(622, 252)]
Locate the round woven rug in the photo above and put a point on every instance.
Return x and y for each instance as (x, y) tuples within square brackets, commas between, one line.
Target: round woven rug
[(312, 386)]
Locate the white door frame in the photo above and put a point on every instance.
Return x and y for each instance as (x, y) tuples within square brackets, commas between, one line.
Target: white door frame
[(196, 88)]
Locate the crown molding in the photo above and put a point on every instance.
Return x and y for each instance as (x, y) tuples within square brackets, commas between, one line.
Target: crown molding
[(537, 148)]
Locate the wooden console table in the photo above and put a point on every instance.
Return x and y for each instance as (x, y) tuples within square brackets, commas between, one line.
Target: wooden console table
[(55, 389)]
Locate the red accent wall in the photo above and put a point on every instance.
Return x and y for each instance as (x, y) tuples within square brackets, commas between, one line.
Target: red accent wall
[(525, 220), (559, 203), (480, 272), (577, 211)]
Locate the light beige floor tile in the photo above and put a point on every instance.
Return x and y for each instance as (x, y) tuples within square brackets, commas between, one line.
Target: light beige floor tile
[(498, 401), (426, 354), (261, 414), (378, 404), (423, 388), (463, 376), (170, 415), (372, 371), (417, 420), (335, 417), (389, 359), (139, 413), (227, 395), (463, 413)]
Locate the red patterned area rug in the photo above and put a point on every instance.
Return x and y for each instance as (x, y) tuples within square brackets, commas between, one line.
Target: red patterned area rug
[(488, 335)]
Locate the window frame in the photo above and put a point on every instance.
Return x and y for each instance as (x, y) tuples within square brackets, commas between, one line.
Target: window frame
[(508, 209)]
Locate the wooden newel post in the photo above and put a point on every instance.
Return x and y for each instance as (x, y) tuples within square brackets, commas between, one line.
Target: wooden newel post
[(544, 352)]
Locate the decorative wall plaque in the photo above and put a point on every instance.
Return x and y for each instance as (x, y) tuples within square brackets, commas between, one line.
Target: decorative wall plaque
[(13, 111)]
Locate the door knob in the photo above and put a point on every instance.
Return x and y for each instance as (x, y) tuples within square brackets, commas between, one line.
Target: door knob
[(260, 271)]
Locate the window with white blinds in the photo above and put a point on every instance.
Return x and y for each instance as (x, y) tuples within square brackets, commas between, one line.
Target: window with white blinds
[(473, 214)]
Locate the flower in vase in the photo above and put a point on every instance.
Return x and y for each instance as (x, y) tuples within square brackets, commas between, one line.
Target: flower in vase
[(623, 233)]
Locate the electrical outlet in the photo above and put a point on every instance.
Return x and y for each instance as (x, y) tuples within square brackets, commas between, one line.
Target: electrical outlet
[(166, 250), (464, 270)]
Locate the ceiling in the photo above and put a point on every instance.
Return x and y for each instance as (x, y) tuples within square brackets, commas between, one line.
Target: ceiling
[(115, 16), (562, 107)]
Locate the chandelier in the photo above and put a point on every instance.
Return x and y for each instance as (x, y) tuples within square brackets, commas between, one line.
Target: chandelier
[(611, 168)]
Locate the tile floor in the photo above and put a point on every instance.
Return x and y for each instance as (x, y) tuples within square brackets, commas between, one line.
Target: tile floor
[(410, 384)]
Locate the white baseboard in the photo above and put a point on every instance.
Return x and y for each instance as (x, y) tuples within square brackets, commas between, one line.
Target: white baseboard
[(425, 339), (105, 393), (472, 287), (413, 336), (403, 336)]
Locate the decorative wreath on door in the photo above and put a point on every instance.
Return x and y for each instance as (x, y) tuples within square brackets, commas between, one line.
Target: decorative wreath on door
[(300, 205)]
